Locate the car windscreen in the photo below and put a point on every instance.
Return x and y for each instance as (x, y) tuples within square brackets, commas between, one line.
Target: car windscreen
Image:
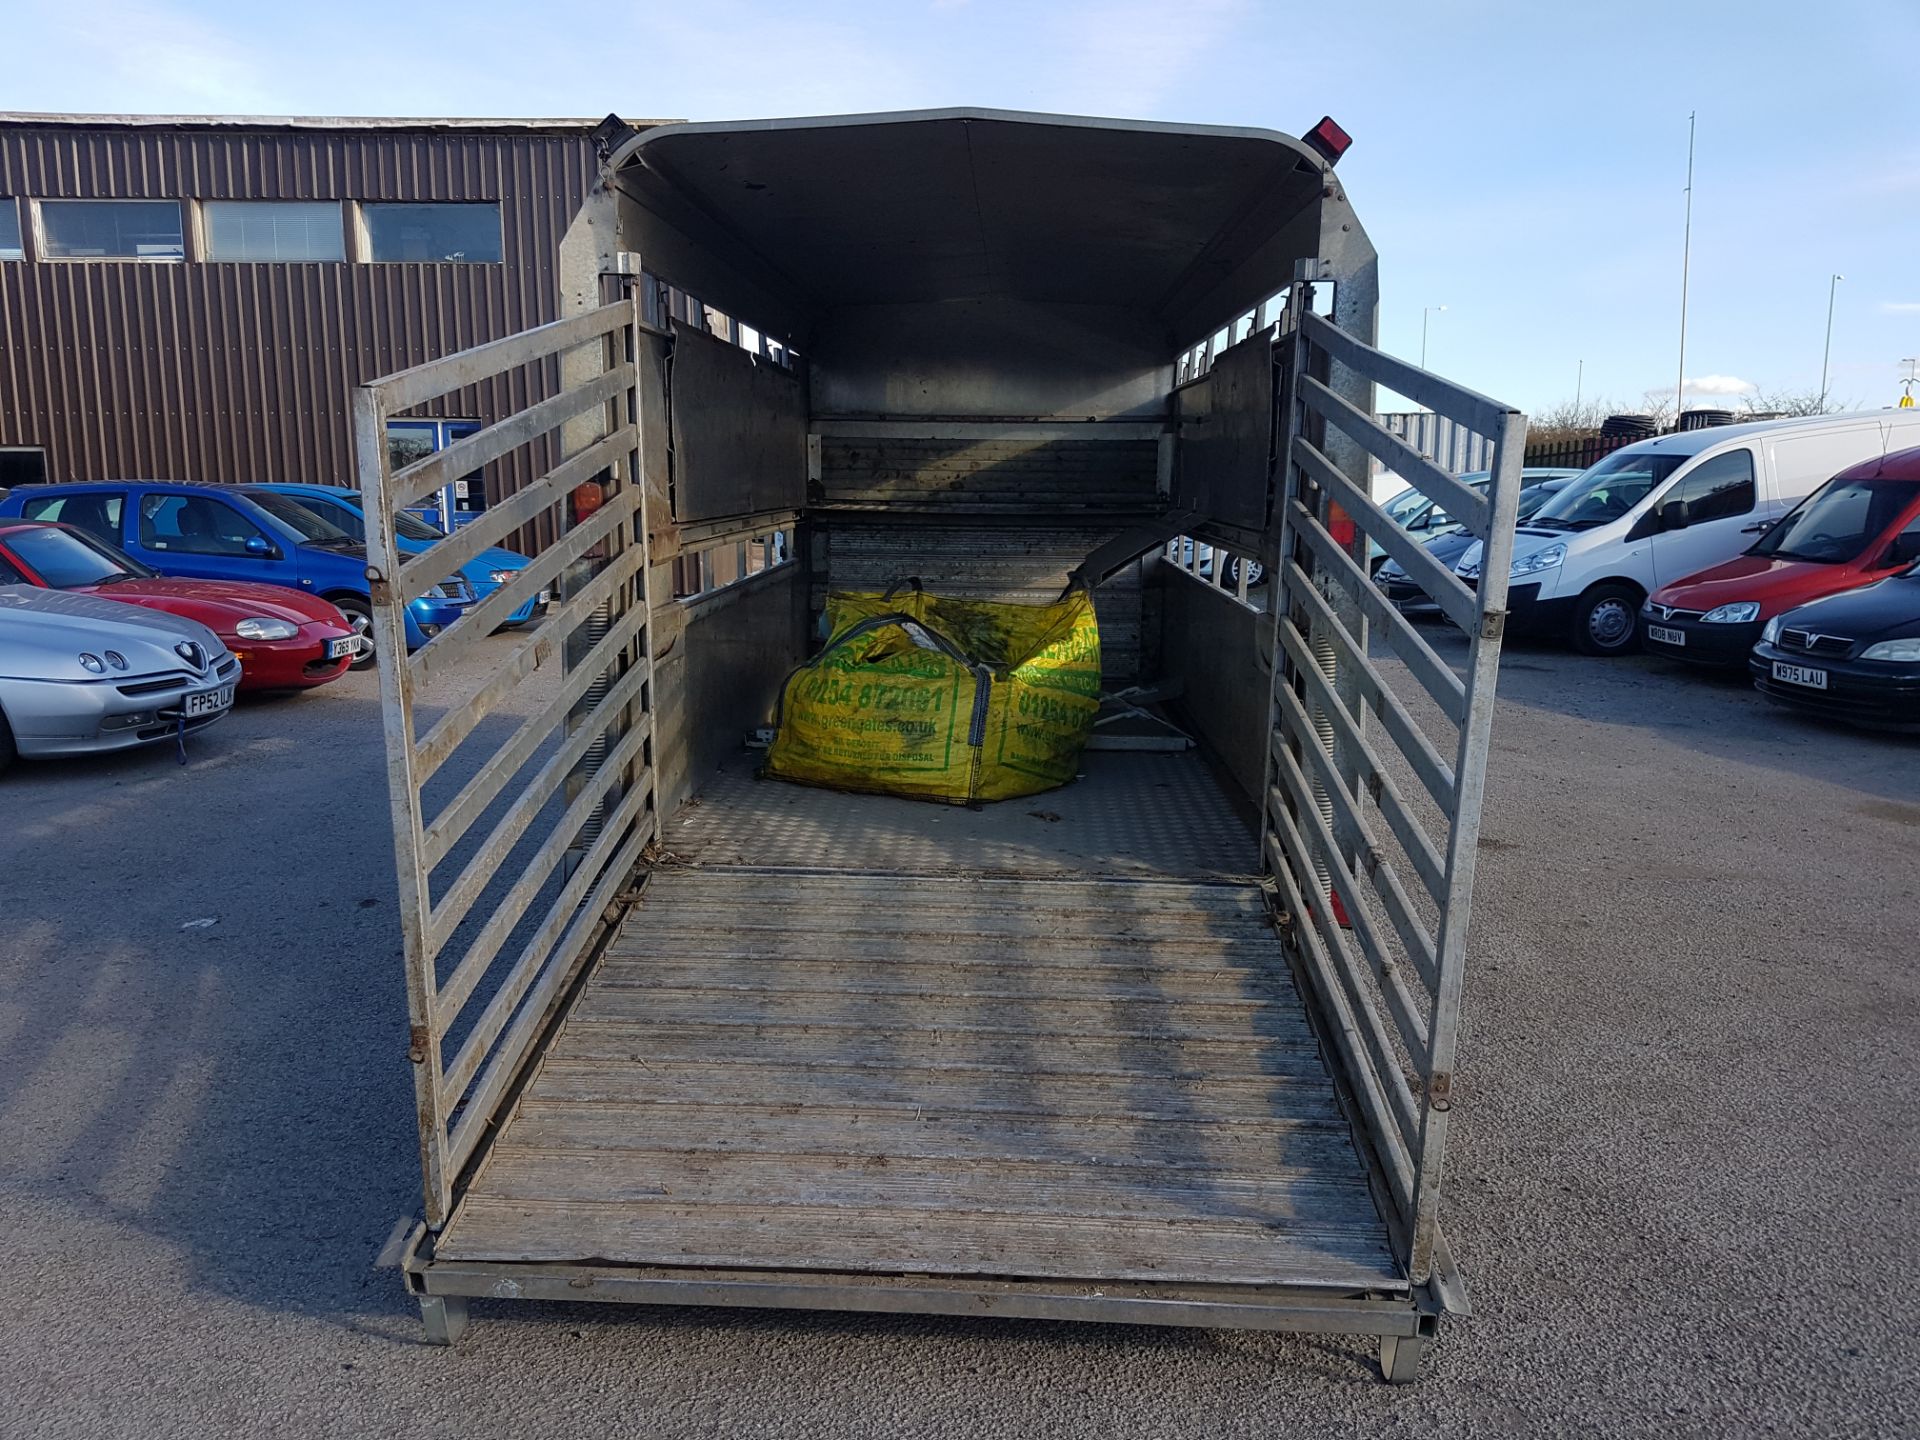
[(1534, 496), (406, 524), (65, 561), (1835, 524), (1606, 491), (299, 519)]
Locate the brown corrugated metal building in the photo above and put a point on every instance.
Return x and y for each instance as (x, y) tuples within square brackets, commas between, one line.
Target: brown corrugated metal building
[(217, 340)]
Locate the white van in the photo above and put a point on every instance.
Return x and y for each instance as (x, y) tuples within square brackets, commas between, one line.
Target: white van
[(1658, 510)]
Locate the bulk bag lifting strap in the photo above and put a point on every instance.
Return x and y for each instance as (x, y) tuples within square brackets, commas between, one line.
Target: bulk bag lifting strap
[(939, 698)]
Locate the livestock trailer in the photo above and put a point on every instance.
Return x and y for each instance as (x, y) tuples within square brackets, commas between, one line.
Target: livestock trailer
[(1173, 1044)]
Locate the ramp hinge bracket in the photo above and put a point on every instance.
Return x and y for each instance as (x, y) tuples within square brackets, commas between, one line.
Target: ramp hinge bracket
[(1493, 624)]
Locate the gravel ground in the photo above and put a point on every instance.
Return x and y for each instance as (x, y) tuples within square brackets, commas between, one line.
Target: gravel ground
[(1681, 1188)]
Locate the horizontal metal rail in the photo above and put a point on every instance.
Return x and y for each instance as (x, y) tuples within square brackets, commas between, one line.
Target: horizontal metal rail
[(573, 781), (426, 476), (1464, 407), (405, 389), (531, 652), (1458, 499), (1252, 1307), (1435, 773), (544, 570), (1378, 898), (1434, 674), (497, 522), (1449, 592)]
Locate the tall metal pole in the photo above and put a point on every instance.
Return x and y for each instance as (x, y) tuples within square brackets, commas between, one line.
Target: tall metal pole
[(1579, 379), (1827, 354), (1423, 332), (1686, 256)]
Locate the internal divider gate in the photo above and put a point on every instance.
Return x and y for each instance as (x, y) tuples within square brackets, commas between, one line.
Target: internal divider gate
[(581, 764), (1364, 799)]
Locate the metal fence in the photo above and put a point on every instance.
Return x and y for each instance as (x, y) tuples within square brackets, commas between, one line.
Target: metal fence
[(1579, 453), (1439, 438), (1375, 771), (525, 855)]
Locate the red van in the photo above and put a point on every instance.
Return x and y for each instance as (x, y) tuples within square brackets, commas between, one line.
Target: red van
[(1859, 527)]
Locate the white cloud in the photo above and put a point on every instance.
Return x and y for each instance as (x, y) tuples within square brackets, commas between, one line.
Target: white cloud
[(1719, 385), (1900, 307)]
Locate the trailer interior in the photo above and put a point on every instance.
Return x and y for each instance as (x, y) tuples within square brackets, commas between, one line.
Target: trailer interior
[(1172, 1044)]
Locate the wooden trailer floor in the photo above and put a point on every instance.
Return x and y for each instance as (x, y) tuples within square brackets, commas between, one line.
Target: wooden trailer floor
[(787, 1066)]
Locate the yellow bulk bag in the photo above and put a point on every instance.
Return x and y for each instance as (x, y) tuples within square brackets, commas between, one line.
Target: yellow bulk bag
[(942, 699)]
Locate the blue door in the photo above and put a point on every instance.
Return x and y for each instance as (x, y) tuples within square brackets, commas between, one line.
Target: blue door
[(201, 536), (458, 502)]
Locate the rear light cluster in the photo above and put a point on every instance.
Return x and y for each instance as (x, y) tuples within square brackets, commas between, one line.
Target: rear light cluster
[(1329, 139)]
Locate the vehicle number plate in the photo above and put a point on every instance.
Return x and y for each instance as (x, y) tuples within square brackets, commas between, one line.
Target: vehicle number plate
[(1800, 675), (1666, 636), (345, 645), (208, 702)]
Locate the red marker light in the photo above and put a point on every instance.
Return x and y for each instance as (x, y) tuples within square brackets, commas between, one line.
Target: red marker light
[(1340, 525), (1329, 139)]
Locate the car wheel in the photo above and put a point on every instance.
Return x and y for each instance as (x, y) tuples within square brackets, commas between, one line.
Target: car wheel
[(1606, 621), (1256, 572), (360, 615)]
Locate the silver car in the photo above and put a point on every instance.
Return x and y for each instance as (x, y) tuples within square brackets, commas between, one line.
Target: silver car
[(79, 674)]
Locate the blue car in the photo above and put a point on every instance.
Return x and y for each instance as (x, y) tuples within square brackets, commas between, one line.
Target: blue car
[(215, 532), (485, 573)]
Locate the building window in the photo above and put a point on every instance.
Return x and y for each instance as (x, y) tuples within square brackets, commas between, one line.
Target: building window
[(112, 230), (433, 233), (10, 229), (22, 464), (284, 230)]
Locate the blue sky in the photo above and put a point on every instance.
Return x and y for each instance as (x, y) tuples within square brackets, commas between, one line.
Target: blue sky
[(1520, 163)]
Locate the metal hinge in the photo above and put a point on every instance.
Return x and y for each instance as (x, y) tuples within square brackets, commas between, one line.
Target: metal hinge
[(1440, 1091), (1493, 624), (417, 1041)]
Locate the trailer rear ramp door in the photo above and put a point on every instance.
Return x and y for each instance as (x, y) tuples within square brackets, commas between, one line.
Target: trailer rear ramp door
[(780, 1047), (1061, 1070)]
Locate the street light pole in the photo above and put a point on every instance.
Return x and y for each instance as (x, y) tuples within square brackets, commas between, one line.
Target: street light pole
[(1827, 354), (1579, 379), (1423, 331), (1686, 265)]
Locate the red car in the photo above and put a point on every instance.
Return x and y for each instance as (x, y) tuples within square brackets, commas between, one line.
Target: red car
[(1859, 527), (283, 639)]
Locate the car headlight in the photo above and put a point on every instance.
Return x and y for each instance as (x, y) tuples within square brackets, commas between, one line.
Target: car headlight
[(1738, 613), (501, 577), (93, 663), (1772, 632), (258, 627), (1907, 650), (1536, 562)]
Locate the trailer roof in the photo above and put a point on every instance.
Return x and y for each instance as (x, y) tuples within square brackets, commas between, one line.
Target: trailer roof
[(953, 204)]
